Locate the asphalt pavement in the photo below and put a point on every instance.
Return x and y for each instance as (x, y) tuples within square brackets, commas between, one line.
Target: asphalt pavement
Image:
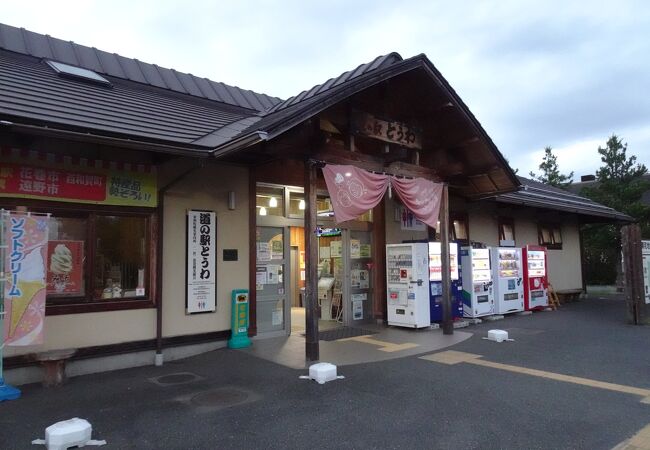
[(231, 399)]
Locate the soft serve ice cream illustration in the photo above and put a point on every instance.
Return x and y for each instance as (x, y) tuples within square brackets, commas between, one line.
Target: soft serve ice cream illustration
[(61, 266)]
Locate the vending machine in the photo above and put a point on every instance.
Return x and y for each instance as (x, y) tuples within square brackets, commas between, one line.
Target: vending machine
[(407, 275), (478, 296), (507, 272), (535, 277), (435, 281)]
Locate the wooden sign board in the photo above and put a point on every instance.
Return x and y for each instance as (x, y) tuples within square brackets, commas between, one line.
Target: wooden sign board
[(392, 132)]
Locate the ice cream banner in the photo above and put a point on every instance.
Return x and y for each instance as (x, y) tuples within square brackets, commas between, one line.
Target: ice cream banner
[(65, 267), (25, 237)]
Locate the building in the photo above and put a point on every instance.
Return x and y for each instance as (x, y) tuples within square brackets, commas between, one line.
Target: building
[(119, 152)]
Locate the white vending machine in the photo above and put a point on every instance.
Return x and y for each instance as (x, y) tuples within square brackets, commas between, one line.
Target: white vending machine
[(407, 279), (507, 272), (478, 296)]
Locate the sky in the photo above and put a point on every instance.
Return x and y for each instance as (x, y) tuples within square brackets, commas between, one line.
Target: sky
[(566, 74)]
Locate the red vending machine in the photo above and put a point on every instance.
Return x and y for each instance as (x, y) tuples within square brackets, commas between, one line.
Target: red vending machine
[(535, 277)]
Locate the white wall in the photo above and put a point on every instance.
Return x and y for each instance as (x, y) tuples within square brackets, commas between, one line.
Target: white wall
[(394, 233)]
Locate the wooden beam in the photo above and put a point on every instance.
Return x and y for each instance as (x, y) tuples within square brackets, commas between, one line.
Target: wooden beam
[(447, 321), (311, 250), (633, 264), (411, 170)]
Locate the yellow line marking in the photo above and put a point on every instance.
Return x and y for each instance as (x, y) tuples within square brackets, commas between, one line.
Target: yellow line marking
[(453, 357), (640, 441), (384, 346)]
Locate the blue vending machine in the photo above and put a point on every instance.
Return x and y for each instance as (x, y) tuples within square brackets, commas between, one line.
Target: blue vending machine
[(435, 281)]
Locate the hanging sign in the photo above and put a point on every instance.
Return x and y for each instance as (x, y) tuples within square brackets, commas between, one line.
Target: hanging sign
[(25, 237), (82, 185), (387, 131), (201, 293)]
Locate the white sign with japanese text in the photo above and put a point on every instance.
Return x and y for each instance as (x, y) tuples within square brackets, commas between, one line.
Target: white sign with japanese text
[(201, 294)]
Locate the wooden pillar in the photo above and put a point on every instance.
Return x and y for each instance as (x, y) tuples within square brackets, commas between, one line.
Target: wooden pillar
[(311, 250), (633, 275), (447, 321)]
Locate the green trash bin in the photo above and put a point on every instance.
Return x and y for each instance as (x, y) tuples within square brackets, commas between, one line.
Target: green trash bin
[(239, 338)]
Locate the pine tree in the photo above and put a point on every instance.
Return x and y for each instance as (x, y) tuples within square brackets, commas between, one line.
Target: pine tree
[(620, 185), (550, 171)]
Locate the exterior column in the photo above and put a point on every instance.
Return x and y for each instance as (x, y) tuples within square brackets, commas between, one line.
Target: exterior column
[(638, 313), (311, 249), (447, 321)]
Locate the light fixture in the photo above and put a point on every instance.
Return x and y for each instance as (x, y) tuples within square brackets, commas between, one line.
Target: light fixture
[(273, 202), (348, 174), (262, 211), (231, 200), (301, 205)]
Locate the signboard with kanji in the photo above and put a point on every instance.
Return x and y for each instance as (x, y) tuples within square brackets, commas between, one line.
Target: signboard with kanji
[(393, 132), (201, 289), (79, 184)]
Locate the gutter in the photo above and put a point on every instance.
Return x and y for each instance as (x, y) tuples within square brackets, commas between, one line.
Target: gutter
[(248, 140)]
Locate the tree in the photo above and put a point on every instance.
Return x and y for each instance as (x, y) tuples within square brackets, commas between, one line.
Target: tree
[(620, 185), (550, 171)]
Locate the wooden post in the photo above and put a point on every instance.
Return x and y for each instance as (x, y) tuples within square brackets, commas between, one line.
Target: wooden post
[(633, 275), (311, 250), (447, 321)]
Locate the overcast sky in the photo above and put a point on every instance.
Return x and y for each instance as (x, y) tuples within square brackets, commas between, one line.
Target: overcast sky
[(559, 73)]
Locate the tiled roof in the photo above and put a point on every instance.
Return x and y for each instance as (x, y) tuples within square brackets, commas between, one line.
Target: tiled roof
[(535, 194), (26, 42)]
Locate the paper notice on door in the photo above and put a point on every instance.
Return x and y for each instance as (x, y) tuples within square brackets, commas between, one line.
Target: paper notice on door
[(302, 275), (263, 251), (364, 279), (359, 297), (324, 253), (355, 248), (357, 310), (261, 275), (355, 278), (365, 251), (276, 318), (272, 274), (335, 249), (276, 250)]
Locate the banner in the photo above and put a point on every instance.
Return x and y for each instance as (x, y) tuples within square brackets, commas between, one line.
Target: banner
[(25, 237), (353, 191), (82, 185), (201, 293), (65, 267), (420, 196)]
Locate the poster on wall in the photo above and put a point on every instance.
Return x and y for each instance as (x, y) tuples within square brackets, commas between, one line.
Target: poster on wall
[(65, 267), (407, 220), (201, 257), (277, 252), (25, 237)]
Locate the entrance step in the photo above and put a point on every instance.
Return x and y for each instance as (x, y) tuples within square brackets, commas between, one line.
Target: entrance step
[(494, 318), (524, 313)]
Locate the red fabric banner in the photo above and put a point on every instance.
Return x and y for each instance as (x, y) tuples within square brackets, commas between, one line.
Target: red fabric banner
[(353, 191), (422, 197)]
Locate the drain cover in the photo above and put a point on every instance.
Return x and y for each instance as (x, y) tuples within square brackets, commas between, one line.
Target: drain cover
[(175, 378), (220, 398)]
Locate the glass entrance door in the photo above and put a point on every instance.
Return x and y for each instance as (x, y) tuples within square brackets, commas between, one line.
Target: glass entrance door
[(271, 280), (359, 290)]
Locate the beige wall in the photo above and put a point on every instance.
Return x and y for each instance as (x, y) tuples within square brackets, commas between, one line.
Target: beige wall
[(564, 265), (205, 188), (394, 233)]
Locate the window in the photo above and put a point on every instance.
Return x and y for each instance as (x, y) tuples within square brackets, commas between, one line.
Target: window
[(269, 201), (506, 232), (459, 228), (79, 73), (550, 236), (99, 258)]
